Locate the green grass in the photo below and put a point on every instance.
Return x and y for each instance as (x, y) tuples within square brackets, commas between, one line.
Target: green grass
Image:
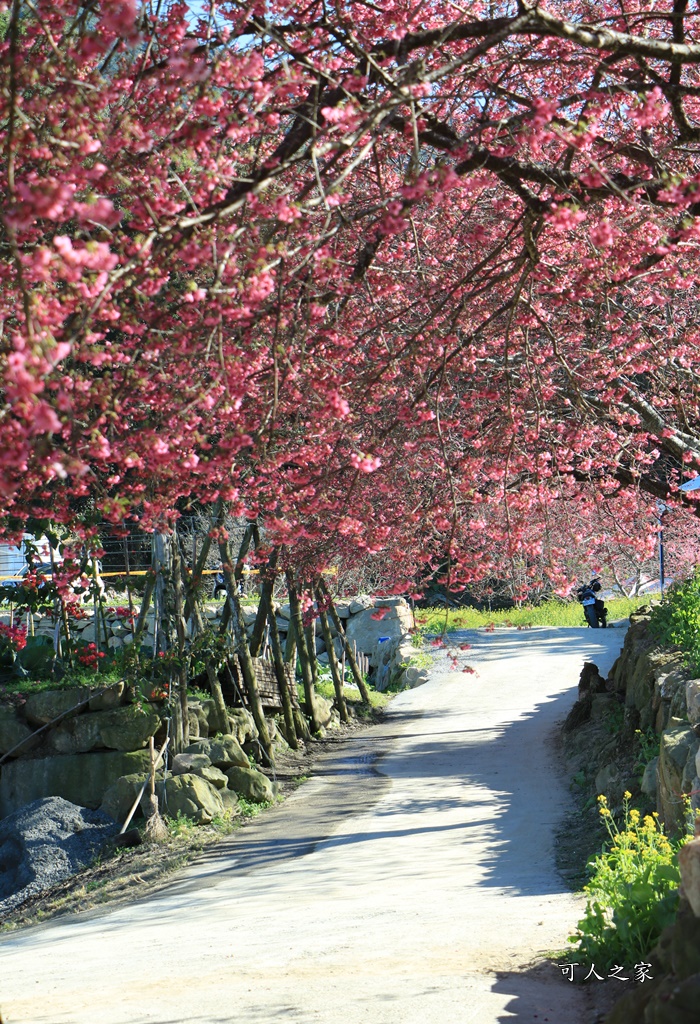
[(325, 688), (550, 613), (183, 827), (76, 677), (249, 809)]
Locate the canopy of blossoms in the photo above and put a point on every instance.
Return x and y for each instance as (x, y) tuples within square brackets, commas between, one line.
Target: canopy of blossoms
[(398, 279)]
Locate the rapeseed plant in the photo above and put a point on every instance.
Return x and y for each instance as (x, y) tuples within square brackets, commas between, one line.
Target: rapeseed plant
[(633, 891)]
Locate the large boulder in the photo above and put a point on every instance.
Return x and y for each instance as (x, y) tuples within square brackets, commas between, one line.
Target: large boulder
[(42, 708), (323, 710), (44, 843), (650, 780), (193, 724), (81, 778), (123, 728), (689, 863), (610, 783), (188, 762), (13, 731), (678, 748), (414, 676), (199, 712), (222, 751), (250, 784), (243, 725), (692, 702), (119, 798), (226, 751), (674, 1002), (129, 728), (191, 796), (364, 630), (230, 801), (112, 697), (214, 776)]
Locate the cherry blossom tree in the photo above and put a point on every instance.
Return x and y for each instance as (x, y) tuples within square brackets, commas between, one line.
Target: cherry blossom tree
[(396, 279)]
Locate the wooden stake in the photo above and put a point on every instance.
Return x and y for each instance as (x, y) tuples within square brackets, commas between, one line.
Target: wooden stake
[(146, 781)]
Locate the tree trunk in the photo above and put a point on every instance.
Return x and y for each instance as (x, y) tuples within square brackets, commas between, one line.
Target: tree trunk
[(281, 676), (310, 641), (223, 725), (145, 605), (181, 633), (226, 614), (332, 661), (163, 635), (356, 674), (246, 663), (262, 617), (304, 660), (222, 719), (217, 518), (290, 647)]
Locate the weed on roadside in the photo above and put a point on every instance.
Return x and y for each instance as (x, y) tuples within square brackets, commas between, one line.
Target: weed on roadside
[(633, 891), (249, 809)]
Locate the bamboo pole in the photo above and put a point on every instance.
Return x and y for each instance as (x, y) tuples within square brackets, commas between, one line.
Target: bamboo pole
[(217, 518), (332, 660), (244, 658), (281, 676), (304, 657), (181, 633), (213, 679)]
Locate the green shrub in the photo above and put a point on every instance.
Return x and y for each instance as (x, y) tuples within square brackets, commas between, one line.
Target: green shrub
[(677, 620), (633, 891)]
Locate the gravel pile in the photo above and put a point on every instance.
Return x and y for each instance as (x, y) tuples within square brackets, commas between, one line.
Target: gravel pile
[(44, 843)]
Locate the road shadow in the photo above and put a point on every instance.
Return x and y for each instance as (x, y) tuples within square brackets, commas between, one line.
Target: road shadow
[(473, 777), (542, 993)]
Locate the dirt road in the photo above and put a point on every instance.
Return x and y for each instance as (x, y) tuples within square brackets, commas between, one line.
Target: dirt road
[(411, 880)]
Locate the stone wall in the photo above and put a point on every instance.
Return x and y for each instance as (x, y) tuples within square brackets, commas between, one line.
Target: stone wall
[(362, 629), (99, 748), (659, 697), (101, 737), (386, 640)]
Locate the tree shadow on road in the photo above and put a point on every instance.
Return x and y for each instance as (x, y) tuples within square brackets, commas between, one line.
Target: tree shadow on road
[(541, 993)]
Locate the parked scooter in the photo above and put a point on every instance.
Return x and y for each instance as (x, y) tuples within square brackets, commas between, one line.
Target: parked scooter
[(593, 608)]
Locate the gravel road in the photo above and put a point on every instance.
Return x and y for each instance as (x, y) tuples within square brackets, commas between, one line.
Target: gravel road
[(411, 880)]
